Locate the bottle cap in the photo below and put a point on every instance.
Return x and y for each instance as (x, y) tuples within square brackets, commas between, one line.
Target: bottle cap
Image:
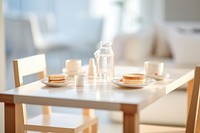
[(106, 43)]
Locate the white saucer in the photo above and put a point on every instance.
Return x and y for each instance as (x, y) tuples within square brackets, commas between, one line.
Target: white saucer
[(64, 70), (149, 81), (45, 81), (159, 77)]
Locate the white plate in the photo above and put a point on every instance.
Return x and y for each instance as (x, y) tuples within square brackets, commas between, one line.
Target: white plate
[(149, 81), (45, 81), (159, 77)]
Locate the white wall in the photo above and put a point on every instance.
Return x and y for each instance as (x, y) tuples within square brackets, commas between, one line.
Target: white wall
[(182, 10), (169, 10), (2, 64), (152, 11)]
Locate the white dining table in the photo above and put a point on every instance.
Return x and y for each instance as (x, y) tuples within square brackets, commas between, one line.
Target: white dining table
[(96, 94)]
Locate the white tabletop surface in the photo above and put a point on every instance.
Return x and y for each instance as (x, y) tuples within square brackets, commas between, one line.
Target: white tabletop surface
[(100, 95)]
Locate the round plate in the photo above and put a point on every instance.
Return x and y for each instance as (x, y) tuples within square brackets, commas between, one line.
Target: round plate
[(45, 81), (149, 81)]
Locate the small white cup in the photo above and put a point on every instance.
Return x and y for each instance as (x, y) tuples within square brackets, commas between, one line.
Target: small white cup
[(80, 80), (153, 68), (73, 65)]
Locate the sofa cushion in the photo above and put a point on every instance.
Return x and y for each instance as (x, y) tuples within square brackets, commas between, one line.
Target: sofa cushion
[(119, 43), (185, 47), (161, 40), (139, 47)]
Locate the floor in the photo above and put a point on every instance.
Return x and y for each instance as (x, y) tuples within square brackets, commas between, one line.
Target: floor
[(55, 63)]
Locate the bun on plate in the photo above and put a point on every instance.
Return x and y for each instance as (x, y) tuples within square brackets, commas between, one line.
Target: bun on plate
[(56, 78), (134, 78)]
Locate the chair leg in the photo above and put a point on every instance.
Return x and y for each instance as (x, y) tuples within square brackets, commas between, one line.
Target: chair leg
[(87, 130), (20, 119), (95, 128)]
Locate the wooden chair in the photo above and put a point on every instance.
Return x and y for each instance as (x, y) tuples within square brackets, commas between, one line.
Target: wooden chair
[(47, 121), (193, 121)]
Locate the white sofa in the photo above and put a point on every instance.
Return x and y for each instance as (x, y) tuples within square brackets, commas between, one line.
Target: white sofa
[(177, 45)]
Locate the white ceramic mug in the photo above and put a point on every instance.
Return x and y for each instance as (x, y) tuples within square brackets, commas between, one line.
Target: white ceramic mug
[(153, 68), (73, 65)]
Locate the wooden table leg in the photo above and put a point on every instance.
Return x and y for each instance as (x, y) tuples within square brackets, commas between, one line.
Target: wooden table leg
[(131, 122), (88, 112), (9, 118)]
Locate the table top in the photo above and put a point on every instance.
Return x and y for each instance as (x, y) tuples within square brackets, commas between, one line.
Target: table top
[(98, 94)]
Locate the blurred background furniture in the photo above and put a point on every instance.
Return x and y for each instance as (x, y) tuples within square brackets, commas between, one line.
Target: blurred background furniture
[(25, 34), (48, 40), (174, 43), (47, 121)]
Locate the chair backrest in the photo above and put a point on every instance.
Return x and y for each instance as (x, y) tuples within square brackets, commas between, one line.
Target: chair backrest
[(193, 122), (24, 67), (28, 66)]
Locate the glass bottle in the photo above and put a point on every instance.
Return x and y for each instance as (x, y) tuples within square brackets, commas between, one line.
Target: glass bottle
[(105, 60)]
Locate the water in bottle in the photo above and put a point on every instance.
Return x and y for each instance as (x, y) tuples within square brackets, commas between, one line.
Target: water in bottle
[(105, 60)]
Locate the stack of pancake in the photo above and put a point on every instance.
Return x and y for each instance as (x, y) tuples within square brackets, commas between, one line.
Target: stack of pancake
[(134, 78), (57, 78)]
